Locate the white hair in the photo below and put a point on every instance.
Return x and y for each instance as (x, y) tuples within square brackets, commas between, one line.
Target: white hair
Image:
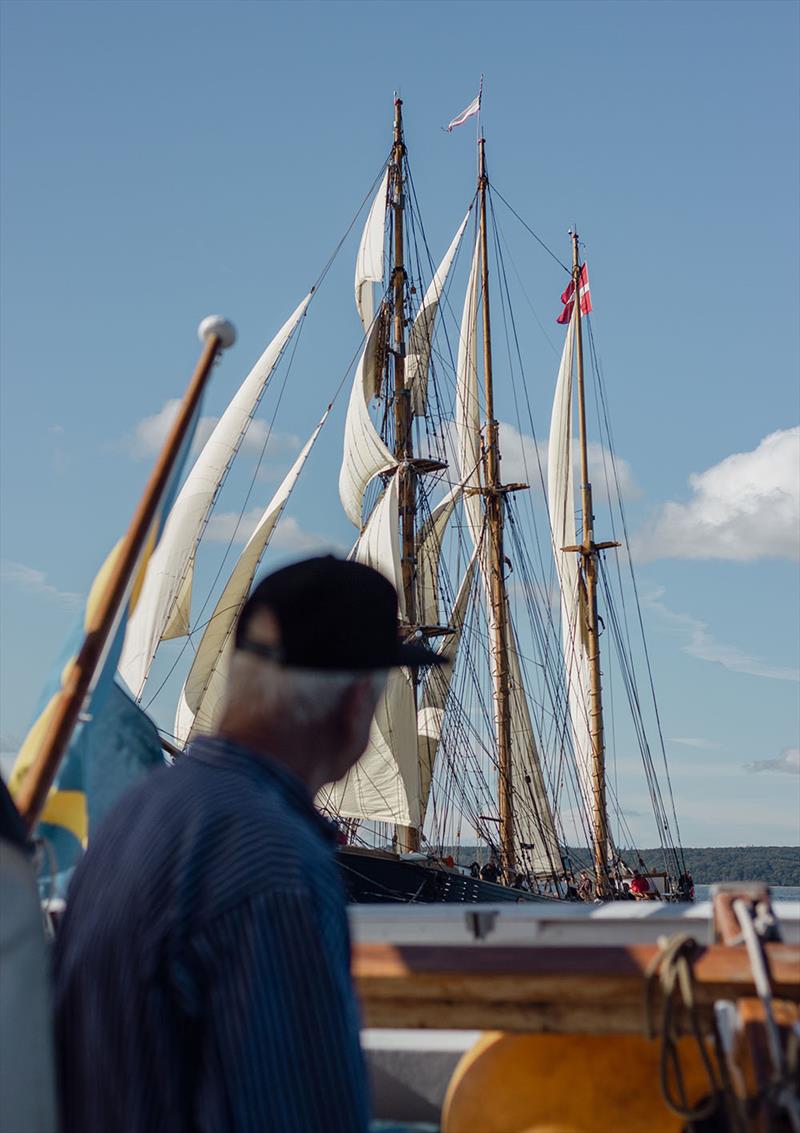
[(260, 688)]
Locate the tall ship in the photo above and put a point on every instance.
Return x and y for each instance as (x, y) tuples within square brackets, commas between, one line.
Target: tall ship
[(485, 779)]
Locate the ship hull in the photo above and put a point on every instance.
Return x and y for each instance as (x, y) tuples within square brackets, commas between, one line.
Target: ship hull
[(382, 879)]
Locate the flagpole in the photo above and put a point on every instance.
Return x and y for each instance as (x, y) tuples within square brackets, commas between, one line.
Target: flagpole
[(218, 334)]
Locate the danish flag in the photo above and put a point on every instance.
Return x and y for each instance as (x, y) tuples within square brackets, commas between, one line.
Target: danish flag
[(568, 298)]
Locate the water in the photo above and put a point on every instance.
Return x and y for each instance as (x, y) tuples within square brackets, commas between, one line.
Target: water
[(779, 892)]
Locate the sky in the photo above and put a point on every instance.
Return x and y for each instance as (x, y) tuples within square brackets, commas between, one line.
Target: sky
[(162, 161)]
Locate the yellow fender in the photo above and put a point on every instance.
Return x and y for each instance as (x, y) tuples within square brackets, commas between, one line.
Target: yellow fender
[(509, 1083)]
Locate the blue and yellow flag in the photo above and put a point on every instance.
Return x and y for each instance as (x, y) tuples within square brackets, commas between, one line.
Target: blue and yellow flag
[(115, 741)]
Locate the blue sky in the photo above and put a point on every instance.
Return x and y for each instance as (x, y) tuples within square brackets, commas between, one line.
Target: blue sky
[(164, 160)]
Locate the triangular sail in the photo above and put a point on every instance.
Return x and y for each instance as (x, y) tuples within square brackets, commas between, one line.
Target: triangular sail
[(202, 694), (535, 840), (365, 454), (429, 550), (370, 258), (561, 504), (430, 716), (171, 564), (384, 784), (419, 341), (468, 426)]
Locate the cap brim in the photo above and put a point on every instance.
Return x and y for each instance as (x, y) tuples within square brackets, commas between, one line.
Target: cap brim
[(415, 656)]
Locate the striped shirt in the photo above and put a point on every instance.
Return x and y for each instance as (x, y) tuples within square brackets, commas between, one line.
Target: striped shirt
[(202, 975)]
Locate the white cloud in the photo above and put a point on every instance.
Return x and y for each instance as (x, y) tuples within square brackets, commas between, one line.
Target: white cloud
[(691, 741), (56, 430), (148, 435), (34, 581), (746, 507), (701, 644), (289, 535), (788, 761), (523, 457)]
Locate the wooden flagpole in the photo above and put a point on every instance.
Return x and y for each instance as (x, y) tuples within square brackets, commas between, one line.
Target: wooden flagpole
[(218, 334)]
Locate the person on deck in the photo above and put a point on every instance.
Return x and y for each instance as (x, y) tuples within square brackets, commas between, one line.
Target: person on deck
[(202, 971), (490, 871), (640, 887), (584, 887)]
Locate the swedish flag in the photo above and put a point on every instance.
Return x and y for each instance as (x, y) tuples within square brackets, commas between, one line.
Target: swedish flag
[(115, 741)]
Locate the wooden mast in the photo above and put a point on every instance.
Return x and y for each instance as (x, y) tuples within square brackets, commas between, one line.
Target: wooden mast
[(588, 551), (408, 837), (494, 491)]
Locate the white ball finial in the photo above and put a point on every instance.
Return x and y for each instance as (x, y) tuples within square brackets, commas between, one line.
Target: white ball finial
[(216, 324)]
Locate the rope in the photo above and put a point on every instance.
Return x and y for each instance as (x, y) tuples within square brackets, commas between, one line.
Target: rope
[(757, 925), (672, 969)]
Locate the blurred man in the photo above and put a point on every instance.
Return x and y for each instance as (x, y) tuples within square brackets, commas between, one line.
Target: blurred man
[(203, 967)]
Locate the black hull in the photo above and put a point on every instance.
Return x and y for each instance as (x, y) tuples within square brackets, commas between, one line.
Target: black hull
[(383, 879)]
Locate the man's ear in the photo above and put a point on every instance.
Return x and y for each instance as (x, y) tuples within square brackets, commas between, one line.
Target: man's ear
[(355, 716)]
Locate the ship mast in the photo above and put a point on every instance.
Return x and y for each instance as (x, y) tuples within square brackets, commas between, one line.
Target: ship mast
[(589, 553), (494, 491), (408, 837)]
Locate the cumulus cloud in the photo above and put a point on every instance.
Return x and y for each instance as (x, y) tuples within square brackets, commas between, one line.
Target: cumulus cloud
[(289, 535), (148, 435), (523, 457), (746, 507), (701, 644), (34, 581), (788, 761)]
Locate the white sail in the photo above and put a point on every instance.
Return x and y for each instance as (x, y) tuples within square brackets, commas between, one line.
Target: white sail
[(201, 698), (430, 716), (535, 839), (369, 261), (172, 561), (468, 427), (365, 454), (378, 545), (384, 784), (561, 504), (429, 549), (419, 341)]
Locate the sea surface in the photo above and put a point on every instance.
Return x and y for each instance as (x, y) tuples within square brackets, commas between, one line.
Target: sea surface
[(779, 892)]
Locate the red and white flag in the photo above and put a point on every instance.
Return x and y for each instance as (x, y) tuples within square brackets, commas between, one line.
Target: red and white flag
[(568, 297), (469, 112)]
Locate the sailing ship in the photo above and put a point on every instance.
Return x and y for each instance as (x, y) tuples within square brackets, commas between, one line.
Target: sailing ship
[(495, 743)]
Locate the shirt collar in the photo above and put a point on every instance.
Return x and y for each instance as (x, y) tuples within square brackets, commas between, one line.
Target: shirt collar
[(220, 751)]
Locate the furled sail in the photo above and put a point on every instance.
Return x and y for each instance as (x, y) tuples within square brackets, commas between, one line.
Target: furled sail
[(384, 784), (369, 261), (430, 716), (468, 427), (202, 694), (561, 504), (419, 341), (365, 454), (429, 549), (171, 563)]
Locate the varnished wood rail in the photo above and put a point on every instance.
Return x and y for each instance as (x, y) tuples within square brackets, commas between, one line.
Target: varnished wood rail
[(573, 990)]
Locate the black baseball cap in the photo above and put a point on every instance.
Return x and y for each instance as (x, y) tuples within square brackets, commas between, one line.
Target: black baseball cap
[(334, 614)]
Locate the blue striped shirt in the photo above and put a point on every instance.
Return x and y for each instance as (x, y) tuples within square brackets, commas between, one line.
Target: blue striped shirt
[(202, 970)]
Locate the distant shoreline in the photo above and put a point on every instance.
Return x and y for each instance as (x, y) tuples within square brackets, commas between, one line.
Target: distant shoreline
[(774, 865)]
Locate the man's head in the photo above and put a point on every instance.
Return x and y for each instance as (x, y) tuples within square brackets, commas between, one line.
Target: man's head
[(312, 651)]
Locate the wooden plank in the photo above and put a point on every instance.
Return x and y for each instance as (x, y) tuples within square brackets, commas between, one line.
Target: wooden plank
[(567, 990)]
